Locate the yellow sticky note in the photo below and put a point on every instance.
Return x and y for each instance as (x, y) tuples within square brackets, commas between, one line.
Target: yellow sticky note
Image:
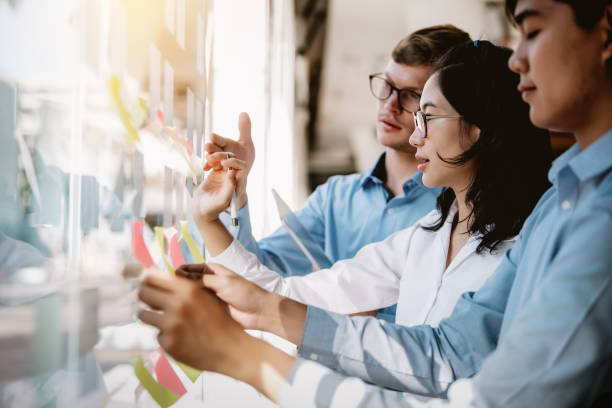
[(159, 239), (161, 395), (190, 372), (114, 87), (193, 248)]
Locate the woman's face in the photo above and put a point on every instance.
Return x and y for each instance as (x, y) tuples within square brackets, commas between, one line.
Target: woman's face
[(446, 137)]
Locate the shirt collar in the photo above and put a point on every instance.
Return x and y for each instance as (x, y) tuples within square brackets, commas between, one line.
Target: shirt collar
[(377, 174), (587, 163)]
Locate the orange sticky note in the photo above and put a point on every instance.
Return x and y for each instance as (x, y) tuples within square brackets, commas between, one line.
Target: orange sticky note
[(139, 248), (165, 374)]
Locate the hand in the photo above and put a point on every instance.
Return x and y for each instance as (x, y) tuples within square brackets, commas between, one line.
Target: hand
[(247, 302), (195, 327), (214, 194), (243, 149)]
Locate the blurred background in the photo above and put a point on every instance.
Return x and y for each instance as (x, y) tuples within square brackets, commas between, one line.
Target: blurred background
[(105, 106)]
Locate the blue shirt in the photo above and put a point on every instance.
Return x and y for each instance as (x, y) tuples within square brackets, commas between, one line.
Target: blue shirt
[(536, 334), (342, 216)]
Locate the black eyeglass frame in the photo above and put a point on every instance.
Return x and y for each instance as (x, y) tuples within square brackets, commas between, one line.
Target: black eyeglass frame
[(392, 88), (426, 118)]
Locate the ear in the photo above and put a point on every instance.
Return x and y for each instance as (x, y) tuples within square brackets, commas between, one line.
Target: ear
[(474, 133)]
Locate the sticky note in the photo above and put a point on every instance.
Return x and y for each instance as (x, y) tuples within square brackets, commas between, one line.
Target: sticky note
[(114, 87), (199, 128), (170, 15), (179, 196), (161, 395), (168, 181), (165, 373), (138, 182), (200, 44), (180, 23), (139, 248), (187, 255), (174, 249), (154, 79), (190, 372), (168, 93), (195, 251), (190, 109), (160, 241)]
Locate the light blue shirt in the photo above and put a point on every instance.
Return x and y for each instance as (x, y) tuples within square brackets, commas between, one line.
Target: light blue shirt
[(342, 216), (538, 333)]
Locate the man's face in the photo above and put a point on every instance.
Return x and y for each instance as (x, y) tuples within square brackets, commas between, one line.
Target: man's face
[(395, 126), (560, 64)]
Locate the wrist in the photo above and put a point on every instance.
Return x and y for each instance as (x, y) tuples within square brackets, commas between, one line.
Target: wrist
[(283, 316)]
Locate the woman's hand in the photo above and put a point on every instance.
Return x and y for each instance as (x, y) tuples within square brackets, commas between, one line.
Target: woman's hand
[(214, 194), (247, 302)]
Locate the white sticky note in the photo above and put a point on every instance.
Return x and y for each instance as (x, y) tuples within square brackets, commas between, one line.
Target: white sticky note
[(168, 181), (170, 15), (138, 179), (154, 79), (190, 107), (168, 93), (199, 128), (200, 45), (180, 23), (179, 192), (118, 39)]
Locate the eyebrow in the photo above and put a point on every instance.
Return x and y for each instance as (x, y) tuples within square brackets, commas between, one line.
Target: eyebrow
[(520, 18), (427, 105), (409, 88)]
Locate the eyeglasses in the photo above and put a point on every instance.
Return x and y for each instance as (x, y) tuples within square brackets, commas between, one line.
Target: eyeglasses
[(421, 118), (407, 99)]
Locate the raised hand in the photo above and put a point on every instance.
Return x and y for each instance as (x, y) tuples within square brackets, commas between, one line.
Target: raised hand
[(214, 194), (243, 149)]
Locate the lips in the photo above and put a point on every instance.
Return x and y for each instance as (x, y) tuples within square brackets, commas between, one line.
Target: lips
[(526, 90), (390, 124), (421, 162)]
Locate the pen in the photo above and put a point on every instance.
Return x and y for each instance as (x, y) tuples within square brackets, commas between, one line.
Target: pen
[(233, 211)]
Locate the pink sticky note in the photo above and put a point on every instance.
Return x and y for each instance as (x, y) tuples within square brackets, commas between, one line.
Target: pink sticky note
[(165, 374), (174, 248), (139, 249)]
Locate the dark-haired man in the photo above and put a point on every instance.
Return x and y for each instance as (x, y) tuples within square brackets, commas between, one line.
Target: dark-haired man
[(348, 212), (537, 334)]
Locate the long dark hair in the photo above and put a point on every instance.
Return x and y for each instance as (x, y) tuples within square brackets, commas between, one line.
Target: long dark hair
[(511, 156)]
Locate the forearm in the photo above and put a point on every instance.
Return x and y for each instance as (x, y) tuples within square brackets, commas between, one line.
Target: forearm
[(216, 237), (259, 364), (284, 317)]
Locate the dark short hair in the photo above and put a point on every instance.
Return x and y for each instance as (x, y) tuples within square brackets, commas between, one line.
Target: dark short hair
[(586, 12), (512, 157), (426, 46)]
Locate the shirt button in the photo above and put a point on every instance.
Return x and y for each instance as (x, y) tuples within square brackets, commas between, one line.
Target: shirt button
[(314, 357), (566, 205), (390, 211)]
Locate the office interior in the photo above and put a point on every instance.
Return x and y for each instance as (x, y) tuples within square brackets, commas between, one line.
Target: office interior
[(105, 106)]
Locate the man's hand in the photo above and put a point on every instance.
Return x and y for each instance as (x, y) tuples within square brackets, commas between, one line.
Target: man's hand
[(195, 327), (247, 302), (243, 149)]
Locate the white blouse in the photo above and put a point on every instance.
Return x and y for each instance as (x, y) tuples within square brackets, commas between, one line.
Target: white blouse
[(407, 268)]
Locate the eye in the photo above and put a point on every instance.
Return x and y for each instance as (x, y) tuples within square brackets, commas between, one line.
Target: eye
[(532, 34)]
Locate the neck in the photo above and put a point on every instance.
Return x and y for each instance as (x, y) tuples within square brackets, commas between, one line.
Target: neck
[(400, 166), (596, 122), (463, 210)]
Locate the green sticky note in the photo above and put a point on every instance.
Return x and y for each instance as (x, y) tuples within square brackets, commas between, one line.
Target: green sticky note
[(190, 372), (161, 395)]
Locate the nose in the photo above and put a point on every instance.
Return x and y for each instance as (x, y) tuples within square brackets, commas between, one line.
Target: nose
[(392, 103), (518, 61), (416, 138)]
